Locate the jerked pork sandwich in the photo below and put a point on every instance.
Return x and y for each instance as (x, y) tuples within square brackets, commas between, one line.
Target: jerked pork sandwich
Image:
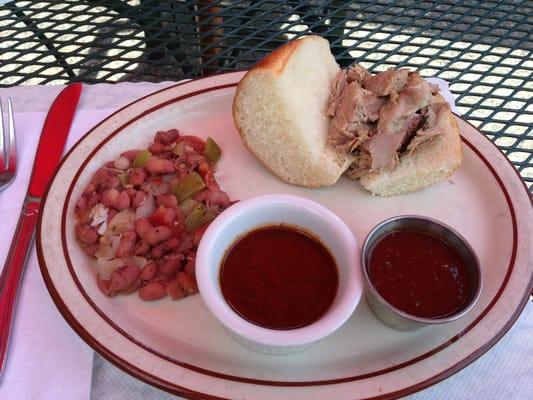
[(309, 122)]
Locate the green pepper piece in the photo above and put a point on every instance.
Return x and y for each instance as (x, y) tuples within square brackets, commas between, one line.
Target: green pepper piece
[(179, 149), (123, 178), (198, 216), (188, 186), (141, 159), (187, 206), (212, 150)]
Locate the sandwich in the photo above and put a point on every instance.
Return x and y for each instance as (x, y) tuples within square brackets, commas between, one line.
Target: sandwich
[(309, 122)]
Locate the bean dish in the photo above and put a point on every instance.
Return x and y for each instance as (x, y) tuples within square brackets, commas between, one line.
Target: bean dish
[(142, 216)]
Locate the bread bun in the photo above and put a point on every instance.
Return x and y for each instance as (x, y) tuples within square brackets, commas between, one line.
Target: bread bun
[(279, 110)]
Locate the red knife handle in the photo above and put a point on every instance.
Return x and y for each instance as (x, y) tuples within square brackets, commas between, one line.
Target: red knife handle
[(13, 269)]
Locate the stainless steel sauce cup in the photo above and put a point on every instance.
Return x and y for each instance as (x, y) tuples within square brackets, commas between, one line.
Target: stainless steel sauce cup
[(391, 315)]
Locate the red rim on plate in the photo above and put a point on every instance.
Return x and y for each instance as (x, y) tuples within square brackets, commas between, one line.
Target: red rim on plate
[(172, 387)]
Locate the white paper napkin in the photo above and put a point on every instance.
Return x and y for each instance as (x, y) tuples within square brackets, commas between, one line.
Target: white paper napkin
[(46, 359)]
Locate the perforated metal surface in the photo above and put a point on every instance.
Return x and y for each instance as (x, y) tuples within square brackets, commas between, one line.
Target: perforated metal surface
[(483, 48)]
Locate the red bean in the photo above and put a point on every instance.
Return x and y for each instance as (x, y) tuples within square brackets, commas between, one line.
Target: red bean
[(111, 182), (187, 282), (190, 267), (186, 243), (136, 176), (158, 251), (152, 291), (109, 197), (86, 234), (123, 278), (133, 288), (162, 248), (173, 243), (159, 166), (146, 187), (125, 246), (89, 189), (139, 199), (131, 192), (100, 177), (103, 285), (142, 227), (94, 200), (91, 249), (167, 200), (198, 233), (166, 137), (175, 291), (141, 249), (169, 216), (213, 197), (170, 268), (123, 201), (195, 142), (149, 271), (157, 235), (130, 154), (81, 205), (156, 148)]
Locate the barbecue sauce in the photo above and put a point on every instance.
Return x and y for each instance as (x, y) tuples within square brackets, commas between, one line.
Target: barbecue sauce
[(419, 274), (279, 277)]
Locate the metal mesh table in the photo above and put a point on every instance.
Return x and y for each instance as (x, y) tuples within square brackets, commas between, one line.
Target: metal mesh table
[(482, 48)]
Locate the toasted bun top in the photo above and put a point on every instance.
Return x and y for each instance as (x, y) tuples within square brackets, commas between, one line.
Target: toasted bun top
[(275, 62), (279, 111)]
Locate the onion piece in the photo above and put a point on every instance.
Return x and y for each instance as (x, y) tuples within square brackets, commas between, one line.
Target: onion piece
[(147, 207), (104, 268), (139, 262), (120, 223), (121, 163), (159, 188), (99, 215), (107, 247)]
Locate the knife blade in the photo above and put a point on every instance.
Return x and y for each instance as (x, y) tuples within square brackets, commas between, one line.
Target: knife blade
[(51, 144)]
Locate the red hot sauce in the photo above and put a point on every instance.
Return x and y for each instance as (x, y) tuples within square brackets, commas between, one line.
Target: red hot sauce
[(279, 277), (419, 274)]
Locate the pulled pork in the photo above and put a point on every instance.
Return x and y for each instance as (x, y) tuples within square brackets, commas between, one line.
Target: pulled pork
[(376, 117), (353, 110)]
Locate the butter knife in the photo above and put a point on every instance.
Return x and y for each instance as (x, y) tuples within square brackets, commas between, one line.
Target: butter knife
[(51, 144)]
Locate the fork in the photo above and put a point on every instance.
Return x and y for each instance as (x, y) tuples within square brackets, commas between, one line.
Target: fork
[(8, 148)]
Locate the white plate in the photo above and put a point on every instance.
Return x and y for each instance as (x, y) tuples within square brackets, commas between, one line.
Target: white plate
[(180, 347)]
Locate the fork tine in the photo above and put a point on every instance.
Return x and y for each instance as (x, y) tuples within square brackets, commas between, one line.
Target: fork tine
[(2, 140), (12, 142)]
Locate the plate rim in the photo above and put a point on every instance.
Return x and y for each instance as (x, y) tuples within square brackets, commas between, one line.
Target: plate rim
[(177, 389)]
